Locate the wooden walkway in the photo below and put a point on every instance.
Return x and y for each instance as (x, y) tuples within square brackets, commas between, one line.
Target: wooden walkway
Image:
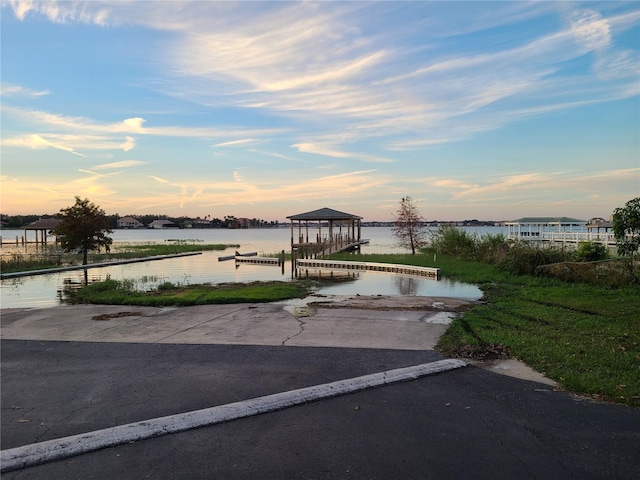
[(110, 263), (315, 250), (429, 272), (345, 247)]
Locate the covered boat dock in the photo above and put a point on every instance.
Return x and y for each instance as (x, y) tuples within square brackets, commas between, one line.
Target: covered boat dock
[(343, 231)]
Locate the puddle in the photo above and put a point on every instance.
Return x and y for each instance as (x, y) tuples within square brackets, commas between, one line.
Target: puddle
[(440, 318)]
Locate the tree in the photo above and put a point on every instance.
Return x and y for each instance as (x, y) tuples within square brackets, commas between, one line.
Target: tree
[(409, 226), (83, 226), (626, 227)]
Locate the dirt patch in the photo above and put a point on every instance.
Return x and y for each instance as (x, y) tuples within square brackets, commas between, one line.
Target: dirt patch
[(390, 302), (491, 351), (109, 316)]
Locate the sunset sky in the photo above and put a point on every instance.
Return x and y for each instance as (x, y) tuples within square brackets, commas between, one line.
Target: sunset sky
[(488, 110)]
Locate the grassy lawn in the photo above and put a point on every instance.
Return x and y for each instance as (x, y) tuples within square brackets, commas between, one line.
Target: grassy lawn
[(585, 337), (114, 292)]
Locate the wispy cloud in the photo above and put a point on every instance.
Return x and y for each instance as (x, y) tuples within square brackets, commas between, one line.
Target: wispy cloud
[(61, 12), (9, 90), (235, 143), (330, 151), (122, 164), (310, 60), (328, 85)]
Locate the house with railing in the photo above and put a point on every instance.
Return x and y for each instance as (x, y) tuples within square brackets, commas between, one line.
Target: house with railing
[(559, 230)]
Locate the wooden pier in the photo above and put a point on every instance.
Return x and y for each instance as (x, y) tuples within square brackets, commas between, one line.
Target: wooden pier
[(343, 233), (428, 272)]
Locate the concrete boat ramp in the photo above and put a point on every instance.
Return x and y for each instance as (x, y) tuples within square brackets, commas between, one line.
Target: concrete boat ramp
[(381, 322)]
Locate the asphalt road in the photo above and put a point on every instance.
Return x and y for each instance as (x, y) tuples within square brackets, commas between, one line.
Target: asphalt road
[(464, 423)]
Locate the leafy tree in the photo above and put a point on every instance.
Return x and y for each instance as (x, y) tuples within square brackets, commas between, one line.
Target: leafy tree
[(409, 226), (626, 227), (83, 226)]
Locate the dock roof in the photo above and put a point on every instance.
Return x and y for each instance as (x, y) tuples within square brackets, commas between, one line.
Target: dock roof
[(548, 220), (324, 214), (43, 224)]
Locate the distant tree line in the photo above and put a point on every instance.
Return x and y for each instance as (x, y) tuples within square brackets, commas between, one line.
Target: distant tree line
[(229, 221)]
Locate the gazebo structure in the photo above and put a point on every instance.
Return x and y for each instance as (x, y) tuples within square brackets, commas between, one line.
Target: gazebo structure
[(333, 239), (44, 225)]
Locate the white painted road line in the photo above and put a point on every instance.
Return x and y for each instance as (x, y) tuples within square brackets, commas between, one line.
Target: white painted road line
[(60, 448)]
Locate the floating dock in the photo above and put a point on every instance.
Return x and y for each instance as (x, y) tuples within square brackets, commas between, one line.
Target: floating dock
[(428, 272), (259, 260), (231, 257)]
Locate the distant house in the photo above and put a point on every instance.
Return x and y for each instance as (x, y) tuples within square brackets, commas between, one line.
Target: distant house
[(597, 223), (537, 227), (129, 222), (162, 224)]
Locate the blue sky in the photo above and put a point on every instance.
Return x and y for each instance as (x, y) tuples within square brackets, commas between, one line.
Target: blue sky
[(488, 110)]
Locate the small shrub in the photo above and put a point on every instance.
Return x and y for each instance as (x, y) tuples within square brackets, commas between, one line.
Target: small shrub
[(590, 252), (450, 240), (523, 258), (492, 248), (166, 286)]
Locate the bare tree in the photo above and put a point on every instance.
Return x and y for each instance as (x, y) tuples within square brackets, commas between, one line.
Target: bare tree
[(409, 226)]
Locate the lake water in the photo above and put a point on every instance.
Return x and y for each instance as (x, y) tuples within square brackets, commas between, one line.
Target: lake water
[(47, 290)]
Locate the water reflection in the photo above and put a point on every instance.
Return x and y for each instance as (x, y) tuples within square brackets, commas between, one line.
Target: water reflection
[(407, 285), (49, 290)]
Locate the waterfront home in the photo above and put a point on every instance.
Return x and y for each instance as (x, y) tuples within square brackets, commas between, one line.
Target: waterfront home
[(129, 222), (556, 230), (162, 224)]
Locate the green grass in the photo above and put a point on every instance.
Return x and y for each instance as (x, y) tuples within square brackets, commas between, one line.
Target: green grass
[(585, 337), (114, 292)]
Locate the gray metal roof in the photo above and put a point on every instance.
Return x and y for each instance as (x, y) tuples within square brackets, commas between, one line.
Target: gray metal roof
[(324, 214), (545, 220)]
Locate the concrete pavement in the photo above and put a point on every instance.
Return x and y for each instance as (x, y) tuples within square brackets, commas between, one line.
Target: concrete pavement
[(290, 323), (75, 369)]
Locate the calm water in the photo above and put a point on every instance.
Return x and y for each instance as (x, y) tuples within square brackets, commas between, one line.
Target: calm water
[(46, 290)]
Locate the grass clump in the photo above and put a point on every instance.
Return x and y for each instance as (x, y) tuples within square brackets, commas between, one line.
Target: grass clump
[(115, 292), (17, 262), (584, 336)]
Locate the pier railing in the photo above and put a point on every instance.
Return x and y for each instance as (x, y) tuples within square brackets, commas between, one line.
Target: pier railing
[(327, 245), (565, 237)]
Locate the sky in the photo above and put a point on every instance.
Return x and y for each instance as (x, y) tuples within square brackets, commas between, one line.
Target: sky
[(475, 110)]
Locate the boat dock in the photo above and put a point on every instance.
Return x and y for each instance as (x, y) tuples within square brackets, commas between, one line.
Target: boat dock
[(428, 272)]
